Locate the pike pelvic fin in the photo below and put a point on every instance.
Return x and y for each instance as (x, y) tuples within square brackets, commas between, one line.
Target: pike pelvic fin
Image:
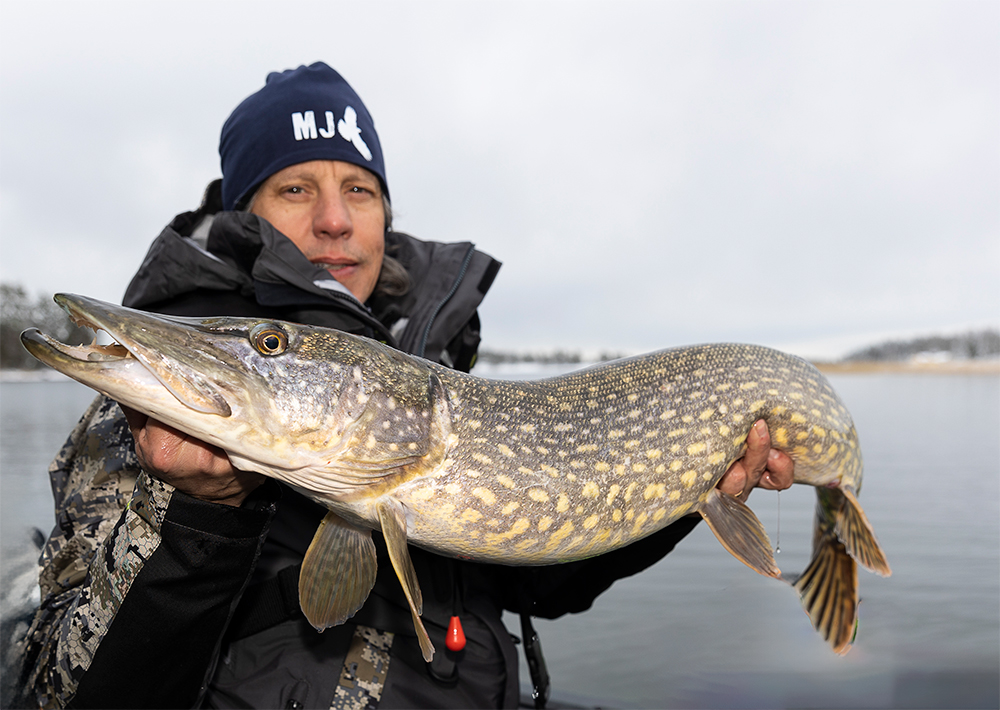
[(858, 536), (740, 532), (393, 521), (828, 590), (338, 572)]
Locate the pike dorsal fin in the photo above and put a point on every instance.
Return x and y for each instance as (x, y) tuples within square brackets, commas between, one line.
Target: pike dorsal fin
[(393, 520), (338, 572), (858, 536), (740, 532)]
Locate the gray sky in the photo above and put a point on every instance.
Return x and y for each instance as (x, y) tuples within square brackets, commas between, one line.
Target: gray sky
[(808, 175)]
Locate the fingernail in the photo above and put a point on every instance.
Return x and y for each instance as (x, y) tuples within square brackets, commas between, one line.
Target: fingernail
[(774, 454), (761, 428)]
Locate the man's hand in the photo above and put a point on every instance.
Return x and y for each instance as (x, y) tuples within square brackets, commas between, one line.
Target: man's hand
[(201, 470), (760, 466)]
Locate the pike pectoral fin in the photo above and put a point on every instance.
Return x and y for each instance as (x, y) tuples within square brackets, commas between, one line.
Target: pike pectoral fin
[(337, 574), (828, 590), (858, 536), (740, 532), (393, 520)]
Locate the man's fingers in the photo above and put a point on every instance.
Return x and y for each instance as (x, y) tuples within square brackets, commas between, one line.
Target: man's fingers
[(780, 473)]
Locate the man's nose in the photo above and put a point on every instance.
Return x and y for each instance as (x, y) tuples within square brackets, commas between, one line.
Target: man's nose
[(332, 218)]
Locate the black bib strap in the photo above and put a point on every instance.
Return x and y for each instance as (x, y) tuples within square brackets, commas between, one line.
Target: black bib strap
[(267, 604)]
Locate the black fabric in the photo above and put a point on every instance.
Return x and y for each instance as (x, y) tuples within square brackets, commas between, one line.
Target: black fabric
[(152, 656)]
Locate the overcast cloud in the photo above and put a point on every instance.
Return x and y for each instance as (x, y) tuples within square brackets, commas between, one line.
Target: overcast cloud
[(800, 174)]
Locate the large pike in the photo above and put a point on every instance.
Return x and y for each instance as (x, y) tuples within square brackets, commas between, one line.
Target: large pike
[(518, 473)]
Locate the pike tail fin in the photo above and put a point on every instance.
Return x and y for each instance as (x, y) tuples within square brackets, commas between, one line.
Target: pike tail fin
[(393, 520), (858, 536), (828, 590)]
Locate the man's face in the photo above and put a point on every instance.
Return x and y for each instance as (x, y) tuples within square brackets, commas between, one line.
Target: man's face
[(333, 212)]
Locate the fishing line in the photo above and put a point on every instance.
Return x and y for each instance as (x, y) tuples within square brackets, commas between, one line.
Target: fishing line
[(777, 536)]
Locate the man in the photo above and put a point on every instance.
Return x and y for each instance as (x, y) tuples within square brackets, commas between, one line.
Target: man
[(170, 579)]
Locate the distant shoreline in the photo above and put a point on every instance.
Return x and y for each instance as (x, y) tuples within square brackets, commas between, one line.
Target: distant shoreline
[(949, 367)]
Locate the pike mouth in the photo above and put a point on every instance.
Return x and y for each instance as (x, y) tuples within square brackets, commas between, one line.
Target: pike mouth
[(126, 360)]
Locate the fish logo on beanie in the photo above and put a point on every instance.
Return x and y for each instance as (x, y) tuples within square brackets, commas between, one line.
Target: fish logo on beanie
[(277, 127)]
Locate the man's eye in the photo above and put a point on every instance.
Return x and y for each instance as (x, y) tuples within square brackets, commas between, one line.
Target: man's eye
[(294, 190)]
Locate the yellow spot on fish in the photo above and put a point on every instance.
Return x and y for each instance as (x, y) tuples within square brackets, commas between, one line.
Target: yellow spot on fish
[(781, 436), (585, 448), (505, 481), (676, 465), (591, 490), (629, 490), (538, 495), (707, 476), (682, 508), (688, 478), (654, 490), (471, 515), (616, 514), (797, 418), (638, 468), (510, 507), (674, 495), (707, 414), (453, 489), (528, 428), (562, 503), (695, 449), (506, 450), (590, 522), (602, 467), (544, 523), (485, 495), (653, 454), (717, 457), (819, 431), (612, 492), (658, 514), (562, 532)]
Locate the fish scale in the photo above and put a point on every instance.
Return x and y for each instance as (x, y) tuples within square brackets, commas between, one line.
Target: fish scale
[(517, 473)]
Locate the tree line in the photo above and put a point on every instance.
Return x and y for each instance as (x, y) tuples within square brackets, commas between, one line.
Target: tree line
[(19, 311), (973, 345)]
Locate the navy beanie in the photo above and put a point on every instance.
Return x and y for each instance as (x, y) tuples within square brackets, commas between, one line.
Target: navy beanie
[(309, 113)]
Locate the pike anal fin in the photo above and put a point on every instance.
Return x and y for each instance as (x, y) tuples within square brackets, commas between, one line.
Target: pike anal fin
[(828, 590), (338, 572), (858, 536), (393, 520), (740, 532)]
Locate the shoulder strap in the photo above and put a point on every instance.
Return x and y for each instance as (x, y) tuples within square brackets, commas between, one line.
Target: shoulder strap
[(267, 604)]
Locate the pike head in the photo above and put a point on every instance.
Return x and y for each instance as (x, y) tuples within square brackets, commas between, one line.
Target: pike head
[(333, 414)]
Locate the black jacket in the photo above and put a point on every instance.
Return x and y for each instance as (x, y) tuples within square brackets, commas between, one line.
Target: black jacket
[(209, 617)]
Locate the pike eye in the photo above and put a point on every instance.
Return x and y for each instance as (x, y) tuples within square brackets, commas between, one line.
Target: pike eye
[(269, 339)]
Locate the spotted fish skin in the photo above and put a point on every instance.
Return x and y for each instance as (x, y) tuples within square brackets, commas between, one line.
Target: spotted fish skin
[(559, 469), (518, 473)]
